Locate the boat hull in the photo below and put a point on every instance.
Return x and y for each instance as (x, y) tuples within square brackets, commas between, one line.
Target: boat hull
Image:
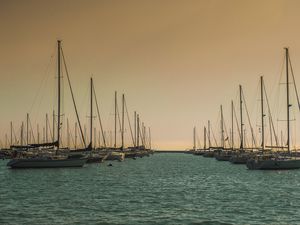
[(237, 159), (273, 164), (45, 163)]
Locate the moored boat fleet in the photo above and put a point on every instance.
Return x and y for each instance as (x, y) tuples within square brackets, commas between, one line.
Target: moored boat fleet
[(278, 155), (30, 152)]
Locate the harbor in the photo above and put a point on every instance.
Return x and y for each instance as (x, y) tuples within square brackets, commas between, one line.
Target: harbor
[(150, 112), (53, 155), (258, 156)]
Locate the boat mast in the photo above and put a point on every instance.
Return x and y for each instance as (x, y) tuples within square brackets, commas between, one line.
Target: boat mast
[(75, 135), (262, 113), (22, 133), (222, 128), (138, 131), (204, 137), (194, 138), (122, 131), (287, 97), (135, 118), (68, 134), (149, 138), (241, 114), (115, 144), (11, 133), (91, 115), (46, 127), (27, 129), (209, 142), (232, 115), (58, 91), (53, 125)]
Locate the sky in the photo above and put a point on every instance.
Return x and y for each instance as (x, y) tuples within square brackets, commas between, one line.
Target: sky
[(176, 61)]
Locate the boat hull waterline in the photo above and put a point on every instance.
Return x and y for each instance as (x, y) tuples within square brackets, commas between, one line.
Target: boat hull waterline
[(46, 163)]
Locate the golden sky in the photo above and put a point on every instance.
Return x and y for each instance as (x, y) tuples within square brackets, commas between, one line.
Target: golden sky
[(175, 60)]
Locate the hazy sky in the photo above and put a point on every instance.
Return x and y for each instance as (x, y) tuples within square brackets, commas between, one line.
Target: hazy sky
[(175, 60)]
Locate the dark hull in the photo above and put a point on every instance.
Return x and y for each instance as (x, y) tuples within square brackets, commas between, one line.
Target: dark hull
[(45, 163), (95, 159), (223, 157), (210, 154), (273, 164), (238, 159), (198, 152)]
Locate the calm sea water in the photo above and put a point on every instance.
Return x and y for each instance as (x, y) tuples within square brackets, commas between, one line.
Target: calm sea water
[(161, 189)]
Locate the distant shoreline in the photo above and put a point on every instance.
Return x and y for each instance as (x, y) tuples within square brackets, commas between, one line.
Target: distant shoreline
[(170, 151)]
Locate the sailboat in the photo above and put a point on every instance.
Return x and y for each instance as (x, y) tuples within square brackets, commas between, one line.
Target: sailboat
[(240, 156), (277, 161), (222, 154), (95, 155), (53, 160)]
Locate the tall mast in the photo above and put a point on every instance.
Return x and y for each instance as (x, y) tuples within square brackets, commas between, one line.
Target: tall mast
[(84, 135), (194, 138), (209, 142), (75, 135), (46, 127), (58, 91), (138, 131), (53, 125), (95, 138), (241, 114), (287, 97), (232, 115), (204, 138), (115, 144), (135, 123), (149, 138), (99, 140), (44, 139), (143, 134), (122, 132), (262, 114), (222, 128), (38, 133), (27, 129), (91, 115), (11, 133), (68, 133), (22, 133)]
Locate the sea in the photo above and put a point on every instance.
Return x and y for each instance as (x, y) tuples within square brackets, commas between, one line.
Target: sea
[(165, 188)]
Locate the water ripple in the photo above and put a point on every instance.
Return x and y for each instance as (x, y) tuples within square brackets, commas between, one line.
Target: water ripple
[(162, 189)]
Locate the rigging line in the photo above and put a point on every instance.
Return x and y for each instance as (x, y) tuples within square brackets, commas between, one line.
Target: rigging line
[(41, 83), (99, 117), (270, 115), (71, 90), (294, 82), (249, 121), (129, 122), (226, 132), (236, 121)]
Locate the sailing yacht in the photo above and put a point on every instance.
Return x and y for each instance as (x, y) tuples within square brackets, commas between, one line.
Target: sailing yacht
[(51, 160), (277, 161)]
